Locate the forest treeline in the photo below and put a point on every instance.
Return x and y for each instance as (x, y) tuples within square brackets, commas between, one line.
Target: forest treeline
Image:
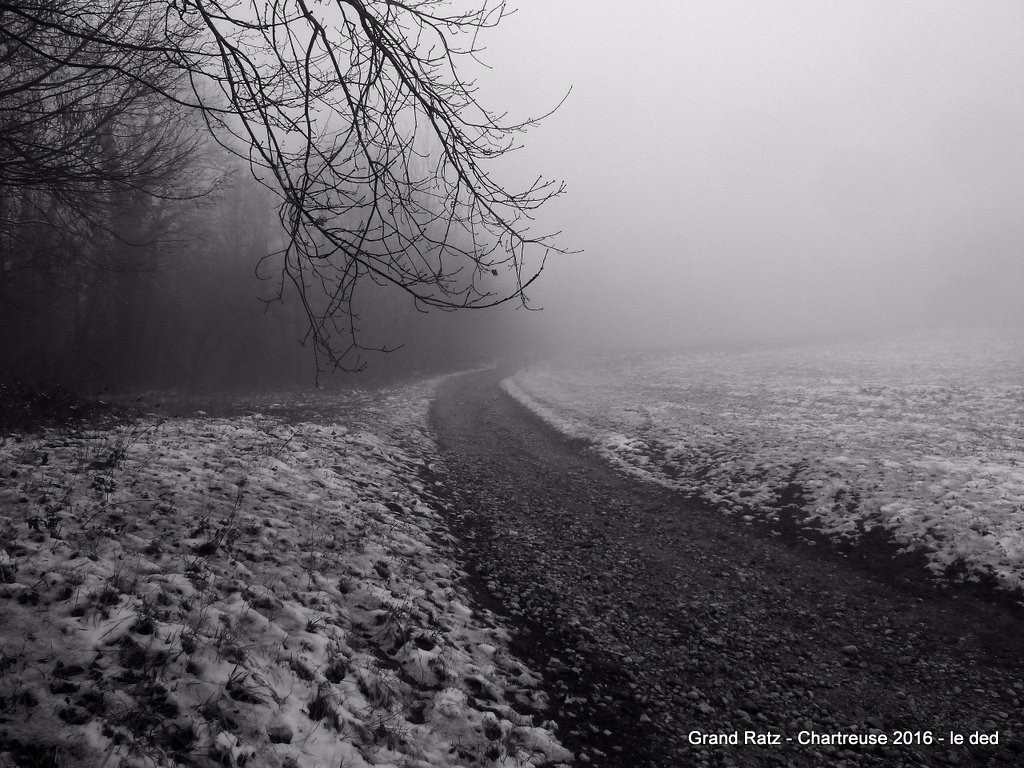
[(143, 246), (148, 293)]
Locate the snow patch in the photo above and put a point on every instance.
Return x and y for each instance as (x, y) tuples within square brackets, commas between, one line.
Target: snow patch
[(923, 436), (248, 591)]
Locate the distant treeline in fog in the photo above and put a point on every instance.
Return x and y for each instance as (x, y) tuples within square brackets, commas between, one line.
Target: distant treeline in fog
[(146, 203), (138, 288)]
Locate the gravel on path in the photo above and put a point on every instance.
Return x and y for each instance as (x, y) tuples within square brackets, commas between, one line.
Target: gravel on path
[(659, 624)]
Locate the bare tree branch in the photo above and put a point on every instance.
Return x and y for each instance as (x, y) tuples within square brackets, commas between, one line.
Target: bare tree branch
[(357, 114)]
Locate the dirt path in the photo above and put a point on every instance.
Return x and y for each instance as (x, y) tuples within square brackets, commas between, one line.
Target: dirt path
[(656, 622)]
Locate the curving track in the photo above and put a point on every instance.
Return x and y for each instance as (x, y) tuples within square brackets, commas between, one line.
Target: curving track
[(654, 620)]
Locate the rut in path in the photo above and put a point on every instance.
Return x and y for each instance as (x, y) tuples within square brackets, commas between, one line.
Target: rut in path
[(653, 619)]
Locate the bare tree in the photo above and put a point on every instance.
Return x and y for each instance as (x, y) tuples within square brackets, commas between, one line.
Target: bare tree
[(357, 114), (84, 145)]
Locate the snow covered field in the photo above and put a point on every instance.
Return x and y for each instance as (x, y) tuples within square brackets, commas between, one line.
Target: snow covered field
[(923, 436), (248, 591)]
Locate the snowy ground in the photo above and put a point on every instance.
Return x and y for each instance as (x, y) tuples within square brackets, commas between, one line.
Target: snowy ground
[(922, 436), (248, 591)]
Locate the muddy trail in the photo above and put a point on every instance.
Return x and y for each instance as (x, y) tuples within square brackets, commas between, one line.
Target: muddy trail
[(659, 625)]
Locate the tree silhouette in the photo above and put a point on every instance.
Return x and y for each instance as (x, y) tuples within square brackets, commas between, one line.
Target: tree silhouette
[(357, 114), (82, 142)]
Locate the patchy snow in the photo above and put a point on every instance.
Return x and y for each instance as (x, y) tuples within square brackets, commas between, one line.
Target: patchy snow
[(248, 591), (923, 436)]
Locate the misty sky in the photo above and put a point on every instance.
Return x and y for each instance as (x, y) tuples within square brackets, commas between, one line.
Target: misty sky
[(743, 170)]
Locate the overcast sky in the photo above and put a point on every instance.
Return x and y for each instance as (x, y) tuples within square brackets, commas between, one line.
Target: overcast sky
[(741, 170)]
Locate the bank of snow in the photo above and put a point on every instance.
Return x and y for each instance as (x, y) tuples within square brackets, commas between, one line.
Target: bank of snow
[(923, 436), (245, 591)]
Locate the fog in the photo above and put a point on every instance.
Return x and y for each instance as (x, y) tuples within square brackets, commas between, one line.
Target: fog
[(736, 172), (744, 171)]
